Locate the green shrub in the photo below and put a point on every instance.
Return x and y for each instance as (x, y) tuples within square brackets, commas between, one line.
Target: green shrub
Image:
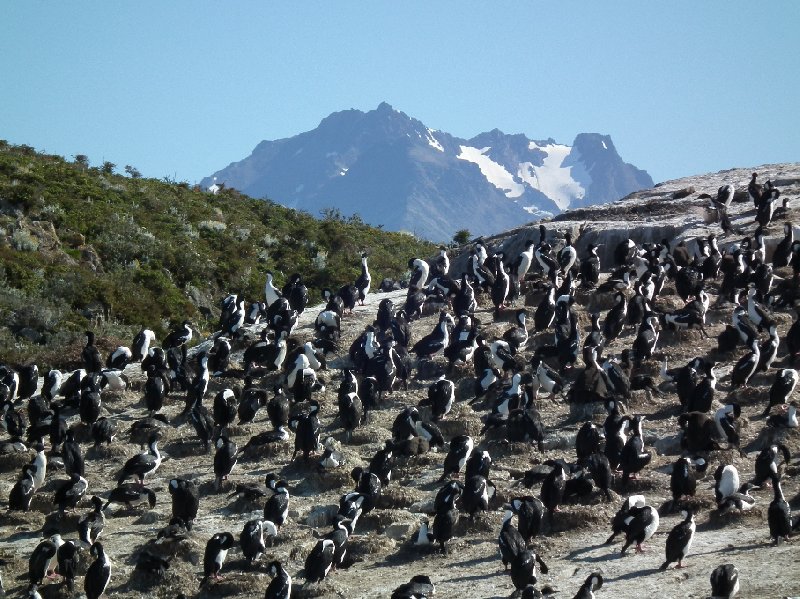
[(154, 240)]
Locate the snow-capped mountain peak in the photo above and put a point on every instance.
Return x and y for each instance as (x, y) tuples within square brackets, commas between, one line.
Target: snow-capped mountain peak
[(395, 171)]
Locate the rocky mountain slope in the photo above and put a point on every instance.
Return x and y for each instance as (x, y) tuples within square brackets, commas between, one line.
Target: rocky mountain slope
[(396, 172), (572, 543)]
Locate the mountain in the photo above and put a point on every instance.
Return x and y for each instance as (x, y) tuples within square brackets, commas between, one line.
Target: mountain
[(394, 171)]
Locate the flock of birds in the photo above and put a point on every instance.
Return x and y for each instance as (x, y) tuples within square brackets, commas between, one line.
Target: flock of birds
[(509, 372)]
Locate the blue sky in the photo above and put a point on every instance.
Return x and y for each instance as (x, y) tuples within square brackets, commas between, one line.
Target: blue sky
[(181, 89)]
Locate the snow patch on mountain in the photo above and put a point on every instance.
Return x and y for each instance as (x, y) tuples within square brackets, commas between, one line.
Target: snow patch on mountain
[(561, 182), (495, 173), (433, 142)]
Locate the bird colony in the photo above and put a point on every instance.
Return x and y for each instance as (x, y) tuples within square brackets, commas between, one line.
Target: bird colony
[(540, 424)]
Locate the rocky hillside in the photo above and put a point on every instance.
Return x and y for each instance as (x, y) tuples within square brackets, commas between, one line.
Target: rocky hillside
[(84, 247), (671, 210), (396, 172), (572, 541)]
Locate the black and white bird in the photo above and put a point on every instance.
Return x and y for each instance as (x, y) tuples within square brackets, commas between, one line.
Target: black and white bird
[(19, 498), (640, 524), (276, 509), (140, 347), (155, 390), (119, 358), (178, 337), (615, 319), (40, 461), (590, 268), (461, 447), (251, 539), (517, 335), (441, 396), (728, 492), (142, 464), (567, 255), (72, 455), (768, 461), (419, 587), (281, 585), (67, 557), (90, 355), (199, 385), (215, 553), (131, 494), (553, 487), (523, 568), (42, 561), (548, 263), (70, 492), (768, 350), (224, 460), (185, 500), (618, 523), (510, 541), (219, 356), (91, 525), (420, 269), (437, 340), (501, 285), (223, 409), (779, 516), (724, 582), (782, 255), (530, 515), (296, 293), (545, 378), (756, 312), (447, 515), (99, 573), (307, 430), (351, 413), (786, 418), (319, 561), (683, 481), (270, 354), (679, 540), (646, 339), (363, 281), (477, 493), (271, 293), (522, 263), (633, 457), (342, 529), (593, 582), (253, 398), (747, 366)]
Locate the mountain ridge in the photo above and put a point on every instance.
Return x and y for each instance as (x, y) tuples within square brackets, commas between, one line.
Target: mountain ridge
[(395, 171)]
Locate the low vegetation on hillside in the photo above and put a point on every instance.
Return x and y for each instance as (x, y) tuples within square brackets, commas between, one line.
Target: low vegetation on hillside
[(82, 247)]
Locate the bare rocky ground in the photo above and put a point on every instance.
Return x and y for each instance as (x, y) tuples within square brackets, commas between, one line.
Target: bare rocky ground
[(382, 547)]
